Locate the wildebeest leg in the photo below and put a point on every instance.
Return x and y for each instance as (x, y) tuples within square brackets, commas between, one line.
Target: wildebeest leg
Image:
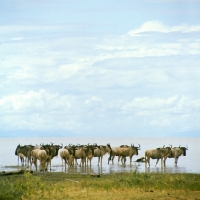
[(31, 165), (76, 162), (48, 162), (22, 161), (176, 161), (119, 159), (109, 158), (82, 162), (113, 159), (130, 160), (62, 161), (35, 163), (101, 159), (29, 161), (122, 160), (147, 160), (65, 162), (157, 162), (165, 161), (18, 160)]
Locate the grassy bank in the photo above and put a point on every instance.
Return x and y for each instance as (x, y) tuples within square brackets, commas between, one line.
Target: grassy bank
[(113, 186)]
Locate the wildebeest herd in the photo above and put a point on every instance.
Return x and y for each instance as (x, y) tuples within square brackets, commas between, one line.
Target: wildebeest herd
[(30, 154)]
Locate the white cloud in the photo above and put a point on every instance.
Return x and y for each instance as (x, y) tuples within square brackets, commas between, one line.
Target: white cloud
[(31, 101), (157, 26)]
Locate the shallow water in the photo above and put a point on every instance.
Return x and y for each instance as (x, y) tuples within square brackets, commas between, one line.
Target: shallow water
[(186, 164)]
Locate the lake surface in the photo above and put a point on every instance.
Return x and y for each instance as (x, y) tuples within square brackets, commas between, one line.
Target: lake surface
[(186, 164)]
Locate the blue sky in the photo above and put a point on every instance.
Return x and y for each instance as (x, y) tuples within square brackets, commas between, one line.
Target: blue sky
[(100, 68)]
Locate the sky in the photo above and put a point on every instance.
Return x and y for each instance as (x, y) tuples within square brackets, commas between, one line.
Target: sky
[(80, 68)]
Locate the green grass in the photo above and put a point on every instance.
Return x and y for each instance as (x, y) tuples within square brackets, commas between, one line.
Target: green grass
[(112, 186)]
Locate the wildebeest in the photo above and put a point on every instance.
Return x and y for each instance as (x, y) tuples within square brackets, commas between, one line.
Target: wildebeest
[(80, 152), (99, 151), (114, 152), (52, 151), (66, 156), (128, 151), (176, 152), (41, 155), (20, 150), (26, 151), (159, 153)]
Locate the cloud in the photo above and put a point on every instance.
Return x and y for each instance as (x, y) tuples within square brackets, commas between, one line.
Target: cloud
[(94, 103), (102, 83), (157, 26), (38, 111)]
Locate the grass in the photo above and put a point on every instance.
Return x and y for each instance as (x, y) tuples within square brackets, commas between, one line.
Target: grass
[(111, 186)]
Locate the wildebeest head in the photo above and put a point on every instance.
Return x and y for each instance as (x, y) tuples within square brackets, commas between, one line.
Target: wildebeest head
[(136, 148), (183, 149), (55, 149), (47, 148), (91, 147), (21, 149), (16, 151)]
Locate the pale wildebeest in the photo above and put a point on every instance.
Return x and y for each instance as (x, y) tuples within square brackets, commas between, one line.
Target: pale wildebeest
[(41, 155), (65, 155), (114, 152), (159, 153), (52, 151), (176, 152), (99, 151), (47, 148), (128, 152)]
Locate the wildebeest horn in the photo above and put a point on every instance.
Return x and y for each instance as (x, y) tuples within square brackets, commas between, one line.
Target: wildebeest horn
[(170, 145), (138, 146), (164, 146)]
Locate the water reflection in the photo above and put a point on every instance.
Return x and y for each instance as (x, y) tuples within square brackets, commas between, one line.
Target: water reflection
[(166, 170), (108, 169), (82, 169)]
